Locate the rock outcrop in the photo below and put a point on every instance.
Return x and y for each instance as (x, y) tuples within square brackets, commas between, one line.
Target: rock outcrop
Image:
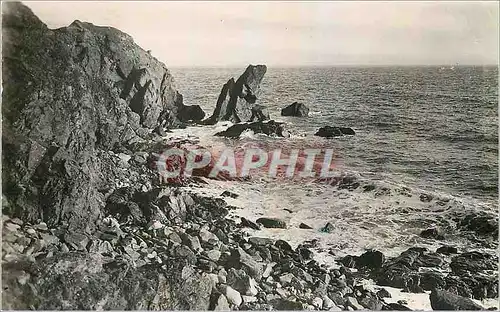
[(328, 131), (295, 109), (237, 101), (270, 127), (69, 93)]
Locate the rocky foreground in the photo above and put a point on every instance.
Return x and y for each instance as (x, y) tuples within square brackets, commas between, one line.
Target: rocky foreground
[(88, 224)]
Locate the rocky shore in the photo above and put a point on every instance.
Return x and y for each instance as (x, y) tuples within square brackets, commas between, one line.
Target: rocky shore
[(88, 224)]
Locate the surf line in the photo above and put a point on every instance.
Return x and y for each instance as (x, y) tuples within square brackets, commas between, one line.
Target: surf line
[(302, 163)]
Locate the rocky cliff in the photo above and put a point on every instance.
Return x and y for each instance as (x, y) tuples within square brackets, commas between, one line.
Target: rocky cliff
[(68, 94)]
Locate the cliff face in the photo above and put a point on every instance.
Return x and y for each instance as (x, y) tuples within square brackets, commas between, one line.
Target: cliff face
[(68, 93)]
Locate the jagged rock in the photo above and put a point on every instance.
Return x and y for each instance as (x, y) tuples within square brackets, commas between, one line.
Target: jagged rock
[(473, 262), (190, 113), (295, 109), (84, 281), (69, 93), (445, 300), (286, 305), (383, 293), (229, 194), (328, 131), (233, 296), (247, 223), (372, 259), (271, 223), (270, 127), (237, 100), (240, 259), (328, 228)]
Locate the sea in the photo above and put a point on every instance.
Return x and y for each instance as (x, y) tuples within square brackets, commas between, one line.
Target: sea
[(419, 130)]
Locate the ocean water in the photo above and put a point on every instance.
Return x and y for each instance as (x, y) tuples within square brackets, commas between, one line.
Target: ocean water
[(419, 130)]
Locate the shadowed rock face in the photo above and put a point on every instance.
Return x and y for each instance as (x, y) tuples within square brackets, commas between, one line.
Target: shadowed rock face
[(237, 100), (67, 93)]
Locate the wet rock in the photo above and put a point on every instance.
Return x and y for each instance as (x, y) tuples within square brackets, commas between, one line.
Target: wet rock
[(444, 300), (304, 226), (213, 255), (233, 296), (295, 109), (237, 100), (431, 234), (372, 259), (317, 302), (481, 223), (208, 237), (219, 303), (190, 113), (229, 194), (447, 250), (394, 306), (328, 131), (260, 241), (353, 303), (247, 223), (240, 259), (271, 128), (240, 281), (271, 223), (383, 293)]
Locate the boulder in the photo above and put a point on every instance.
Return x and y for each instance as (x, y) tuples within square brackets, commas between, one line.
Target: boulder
[(295, 109), (68, 94), (237, 100), (328, 131), (431, 233), (270, 127), (190, 113), (445, 300)]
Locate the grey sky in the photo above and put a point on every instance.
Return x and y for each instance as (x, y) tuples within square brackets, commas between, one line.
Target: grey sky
[(296, 33)]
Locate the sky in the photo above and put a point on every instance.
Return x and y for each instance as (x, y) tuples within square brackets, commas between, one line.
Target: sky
[(210, 33)]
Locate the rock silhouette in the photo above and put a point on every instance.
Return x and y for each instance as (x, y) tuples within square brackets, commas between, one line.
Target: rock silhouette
[(237, 100)]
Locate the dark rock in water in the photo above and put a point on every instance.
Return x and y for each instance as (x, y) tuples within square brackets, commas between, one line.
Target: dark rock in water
[(296, 110), (190, 113), (260, 241), (304, 226), (284, 246), (431, 280), (69, 93), (247, 223), (383, 293), (237, 100), (445, 300), (432, 234), (430, 260), (447, 250), (272, 223), (372, 260), (81, 281), (270, 127), (328, 228), (426, 198), (394, 306), (473, 262), (229, 194), (328, 131)]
